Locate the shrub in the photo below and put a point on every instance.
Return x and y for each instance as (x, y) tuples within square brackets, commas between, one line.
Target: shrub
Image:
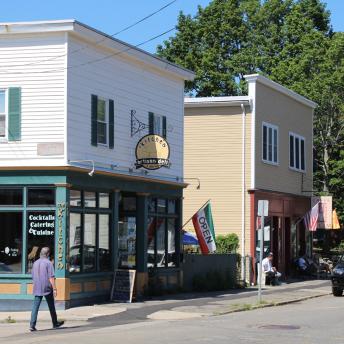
[(227, 243)]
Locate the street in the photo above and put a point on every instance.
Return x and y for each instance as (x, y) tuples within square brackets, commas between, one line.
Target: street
[(316, 320)]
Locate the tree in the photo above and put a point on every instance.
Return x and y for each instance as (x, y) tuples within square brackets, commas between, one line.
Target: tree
[(291, 42)]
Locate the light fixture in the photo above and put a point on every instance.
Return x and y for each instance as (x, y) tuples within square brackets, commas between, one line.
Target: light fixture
[(91, 173), (198, 180)]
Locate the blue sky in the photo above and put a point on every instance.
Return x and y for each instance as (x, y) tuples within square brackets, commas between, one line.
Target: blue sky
[(110, 16)]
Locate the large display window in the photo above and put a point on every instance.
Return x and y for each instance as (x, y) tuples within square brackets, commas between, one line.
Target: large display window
[(89, 232)]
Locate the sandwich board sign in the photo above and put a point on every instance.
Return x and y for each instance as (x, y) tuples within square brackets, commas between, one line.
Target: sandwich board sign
[(123, 285)]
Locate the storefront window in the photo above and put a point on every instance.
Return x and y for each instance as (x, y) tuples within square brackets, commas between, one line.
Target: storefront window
[(40, 233), (129, 203), (11, 197), (104, 242), (90, 199), (127, 242), (104, 200), (75, 242), (267, 236), (89, 247), (161, 233), (75, 198), (11, 224), (40, 196)]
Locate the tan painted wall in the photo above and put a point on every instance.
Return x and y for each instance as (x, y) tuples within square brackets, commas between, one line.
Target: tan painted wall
[(213, 153), (289, 115)]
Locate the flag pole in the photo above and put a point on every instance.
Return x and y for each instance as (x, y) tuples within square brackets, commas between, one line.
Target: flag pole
[(195, 213)]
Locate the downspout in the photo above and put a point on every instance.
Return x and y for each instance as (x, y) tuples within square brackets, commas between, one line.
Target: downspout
[(243, 193)]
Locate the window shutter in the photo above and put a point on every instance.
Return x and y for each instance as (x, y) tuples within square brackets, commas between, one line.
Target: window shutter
[(111, 123), (94, 131), (14, 114), (164, 131), (151, 122)]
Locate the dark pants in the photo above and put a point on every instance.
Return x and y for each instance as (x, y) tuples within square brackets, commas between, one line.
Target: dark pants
[(270, 278), (35, 307)]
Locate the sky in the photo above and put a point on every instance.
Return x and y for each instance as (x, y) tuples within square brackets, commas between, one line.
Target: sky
[(111, 16)]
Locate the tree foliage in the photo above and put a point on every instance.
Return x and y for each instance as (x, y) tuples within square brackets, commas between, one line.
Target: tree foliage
[(227, 243), (291, 42)]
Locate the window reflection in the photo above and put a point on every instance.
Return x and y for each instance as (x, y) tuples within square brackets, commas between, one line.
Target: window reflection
[(75, 242), (104, 242), (89, 247), (90, 199), (75, 198), (127, 242), (10, 242)]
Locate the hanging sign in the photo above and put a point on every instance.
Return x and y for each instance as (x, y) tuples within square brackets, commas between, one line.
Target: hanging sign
[(152, 152)]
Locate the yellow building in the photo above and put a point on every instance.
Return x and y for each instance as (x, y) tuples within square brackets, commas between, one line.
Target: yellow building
[(250, 148)]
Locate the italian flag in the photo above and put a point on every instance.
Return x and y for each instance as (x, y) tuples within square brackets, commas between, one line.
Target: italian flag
[(204, 227)]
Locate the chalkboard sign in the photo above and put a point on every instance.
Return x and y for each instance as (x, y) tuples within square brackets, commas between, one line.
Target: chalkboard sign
[(123, 286)]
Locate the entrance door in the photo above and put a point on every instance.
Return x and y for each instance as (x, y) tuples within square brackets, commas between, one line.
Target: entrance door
[(287, 247)]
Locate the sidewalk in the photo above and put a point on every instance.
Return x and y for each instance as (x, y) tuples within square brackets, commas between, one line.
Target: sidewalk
[(183, 306)]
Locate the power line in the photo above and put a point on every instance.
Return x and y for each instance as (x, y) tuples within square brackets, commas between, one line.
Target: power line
[(97, 42), (95, 60)]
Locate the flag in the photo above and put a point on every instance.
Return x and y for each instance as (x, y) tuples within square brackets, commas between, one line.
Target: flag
[(335, 222), (311, 218), (204, 227)]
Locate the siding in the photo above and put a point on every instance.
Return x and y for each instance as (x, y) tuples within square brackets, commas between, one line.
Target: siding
[(24, 62), (132, 86), (213, 146), (289, 115)]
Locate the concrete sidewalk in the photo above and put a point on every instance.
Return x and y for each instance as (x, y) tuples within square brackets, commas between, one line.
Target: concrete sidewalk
[(183, 306)]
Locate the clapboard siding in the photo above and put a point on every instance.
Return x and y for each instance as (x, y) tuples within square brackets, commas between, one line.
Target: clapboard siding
[(26, 62), (132, 87), (213, 153)]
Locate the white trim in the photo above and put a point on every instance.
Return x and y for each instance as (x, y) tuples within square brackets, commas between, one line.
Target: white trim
[(273, 127), (66, 157), (274, 85), (215, 101), (252, 95), (301, 138)]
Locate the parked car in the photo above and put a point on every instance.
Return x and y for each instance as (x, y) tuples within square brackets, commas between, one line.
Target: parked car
[(337, 278)]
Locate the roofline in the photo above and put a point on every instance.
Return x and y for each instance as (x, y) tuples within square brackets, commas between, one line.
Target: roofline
[(252, 78), (217, 101), (86, 31)]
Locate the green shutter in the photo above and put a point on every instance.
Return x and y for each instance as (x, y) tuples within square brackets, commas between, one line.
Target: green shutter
[(151, 122), (94, 132), (111, 123), (14, 114), (164, 131)]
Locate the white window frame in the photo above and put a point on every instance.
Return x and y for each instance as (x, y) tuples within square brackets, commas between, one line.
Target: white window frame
[(273, 127), (106, 144), (157, 124), (301, 138), (5, 138)]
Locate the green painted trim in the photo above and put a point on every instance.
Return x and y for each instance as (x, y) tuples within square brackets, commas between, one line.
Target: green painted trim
[(89, 277), (14, 297), (16, 178)]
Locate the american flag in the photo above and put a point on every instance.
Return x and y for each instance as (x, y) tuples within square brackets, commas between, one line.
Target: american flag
[(311, 218)]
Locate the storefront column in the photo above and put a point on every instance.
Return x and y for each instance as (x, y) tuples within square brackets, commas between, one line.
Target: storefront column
[(61, 234), (114, 228), (141, 244)]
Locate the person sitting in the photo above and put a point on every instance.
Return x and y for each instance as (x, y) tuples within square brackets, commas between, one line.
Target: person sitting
[(271, 273)]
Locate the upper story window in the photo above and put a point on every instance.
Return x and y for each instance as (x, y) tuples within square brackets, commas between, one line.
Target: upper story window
[(3, 113), (270, 143), (157, 124), (102, 121), (297, 152)]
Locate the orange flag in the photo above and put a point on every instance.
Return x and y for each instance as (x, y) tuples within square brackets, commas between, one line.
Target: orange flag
[(335, 222)]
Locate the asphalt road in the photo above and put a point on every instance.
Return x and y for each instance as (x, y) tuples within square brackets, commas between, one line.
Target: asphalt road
[(313, 321)]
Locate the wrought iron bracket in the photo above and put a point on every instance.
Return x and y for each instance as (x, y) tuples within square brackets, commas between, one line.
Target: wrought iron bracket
[(136, 125)]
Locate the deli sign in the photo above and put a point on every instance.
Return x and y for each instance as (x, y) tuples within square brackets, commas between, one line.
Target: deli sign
[(152, 152)]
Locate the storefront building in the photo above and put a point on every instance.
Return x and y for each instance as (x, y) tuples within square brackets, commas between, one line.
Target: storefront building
[(250, 148), (91, 162)]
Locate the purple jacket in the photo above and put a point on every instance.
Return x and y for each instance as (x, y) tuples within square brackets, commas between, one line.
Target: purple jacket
[(42, 270)]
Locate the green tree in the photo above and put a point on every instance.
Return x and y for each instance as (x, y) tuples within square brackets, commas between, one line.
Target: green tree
[(227, 243), (290, 41)]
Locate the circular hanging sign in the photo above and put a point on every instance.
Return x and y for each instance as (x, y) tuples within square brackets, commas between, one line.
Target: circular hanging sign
[(152, 152)]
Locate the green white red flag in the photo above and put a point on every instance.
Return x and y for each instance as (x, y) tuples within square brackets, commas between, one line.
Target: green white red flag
[(204, 227)]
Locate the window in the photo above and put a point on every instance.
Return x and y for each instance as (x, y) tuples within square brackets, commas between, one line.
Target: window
[(89, 231), (102, 120), (161, 233), (42, 197), (270, 143), (297, 152), (3, 112), (11, 197), (11, 238), (157, 124)]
